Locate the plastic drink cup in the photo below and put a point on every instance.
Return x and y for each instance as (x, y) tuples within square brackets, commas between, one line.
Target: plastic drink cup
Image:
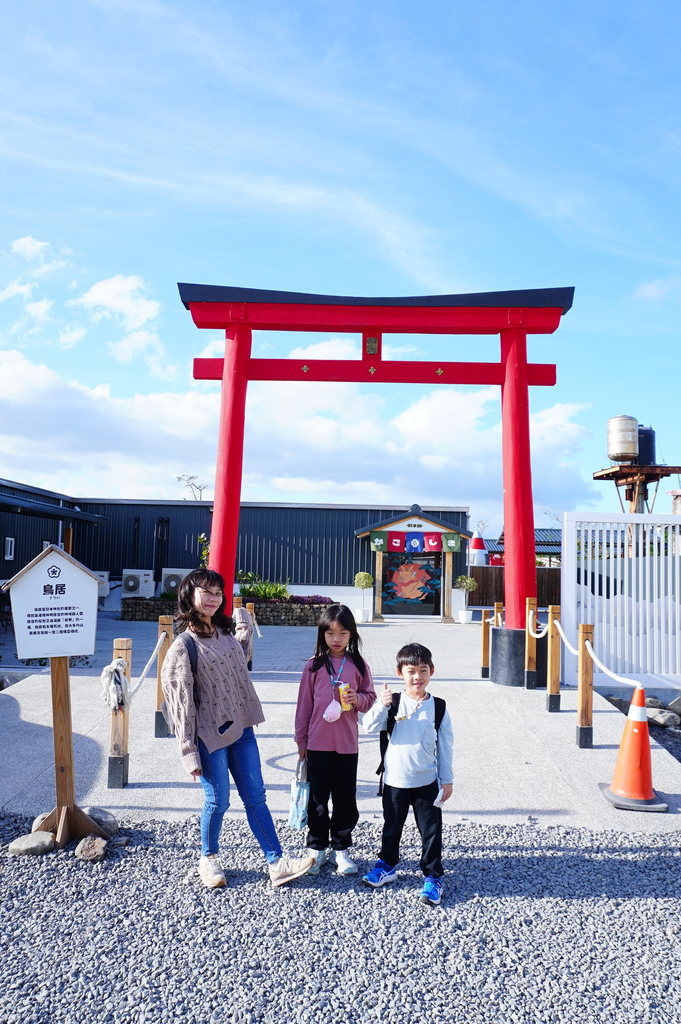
[(343, 691)]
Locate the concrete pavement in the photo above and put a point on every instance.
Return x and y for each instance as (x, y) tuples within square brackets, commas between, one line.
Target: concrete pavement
[(513, 761)]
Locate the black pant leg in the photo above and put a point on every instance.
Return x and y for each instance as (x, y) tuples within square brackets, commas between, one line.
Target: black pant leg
[(344, 815), (429, 824), (319, 775), (396, 803)]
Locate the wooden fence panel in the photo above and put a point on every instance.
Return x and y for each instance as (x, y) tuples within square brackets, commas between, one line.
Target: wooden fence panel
[(490, 580)]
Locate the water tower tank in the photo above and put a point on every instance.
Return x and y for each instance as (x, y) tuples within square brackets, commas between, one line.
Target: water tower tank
[(623, 439), (646, 446)]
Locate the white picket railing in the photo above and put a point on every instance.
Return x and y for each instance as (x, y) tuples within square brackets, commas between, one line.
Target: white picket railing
[(622, 572)]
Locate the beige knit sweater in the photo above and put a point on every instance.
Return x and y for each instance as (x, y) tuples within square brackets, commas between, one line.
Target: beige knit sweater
[(225, 692)]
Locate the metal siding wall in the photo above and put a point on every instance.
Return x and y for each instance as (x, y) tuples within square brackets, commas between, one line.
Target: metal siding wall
[(111, 545), (28, 533), (315, 546)]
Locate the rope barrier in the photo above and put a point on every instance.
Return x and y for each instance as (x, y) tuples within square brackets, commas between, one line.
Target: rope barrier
[(148, 665), (116, 689), (601, 666), (531, 631), (565, 640)]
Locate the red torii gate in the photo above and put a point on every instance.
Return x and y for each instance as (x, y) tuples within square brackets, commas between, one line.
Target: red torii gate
[(512, 315)]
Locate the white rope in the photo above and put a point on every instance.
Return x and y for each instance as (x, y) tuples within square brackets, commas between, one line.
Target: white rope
[(565, 640), (115, 685), (601, 666), (530, 630), (116, 690), (255, 623), (148, 665), (491, 619)]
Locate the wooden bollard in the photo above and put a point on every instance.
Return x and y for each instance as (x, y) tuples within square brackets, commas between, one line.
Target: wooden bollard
[(530, 643), (498, 613), (161, 727), (585, 688), (118, 745), (553, 661), (484, 658)]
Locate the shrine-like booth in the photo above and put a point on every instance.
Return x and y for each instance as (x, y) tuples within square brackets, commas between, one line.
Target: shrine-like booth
[(512, 315)]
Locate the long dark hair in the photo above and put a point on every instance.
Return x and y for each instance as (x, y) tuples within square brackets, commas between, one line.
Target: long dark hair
[(187, 617), (337, 613)]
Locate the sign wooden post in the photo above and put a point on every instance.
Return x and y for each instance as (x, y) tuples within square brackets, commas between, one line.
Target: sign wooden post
[(54, 608)]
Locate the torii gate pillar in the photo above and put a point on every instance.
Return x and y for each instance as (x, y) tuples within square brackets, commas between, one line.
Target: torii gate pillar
[(512, 315)]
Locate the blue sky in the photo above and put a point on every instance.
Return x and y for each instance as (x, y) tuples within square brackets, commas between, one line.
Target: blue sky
[(362, 149)]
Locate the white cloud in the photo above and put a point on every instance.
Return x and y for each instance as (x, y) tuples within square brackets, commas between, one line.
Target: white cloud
[(328, 442), (121, 297), (30, 249), (15, 288), (36, 254), (40, 310), (70, 336), (659, 289)]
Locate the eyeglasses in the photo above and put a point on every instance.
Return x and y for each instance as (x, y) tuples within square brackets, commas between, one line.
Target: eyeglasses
[(210, 593)]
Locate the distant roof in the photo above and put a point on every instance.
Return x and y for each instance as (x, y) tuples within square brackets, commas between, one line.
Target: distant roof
[(547, 541), (537, 297), (417, 512)]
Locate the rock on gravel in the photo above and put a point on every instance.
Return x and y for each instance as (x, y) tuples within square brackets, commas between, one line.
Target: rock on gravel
[(540, 925)]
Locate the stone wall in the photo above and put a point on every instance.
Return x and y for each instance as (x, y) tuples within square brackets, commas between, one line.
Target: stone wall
[(271, 613), (146, 609)]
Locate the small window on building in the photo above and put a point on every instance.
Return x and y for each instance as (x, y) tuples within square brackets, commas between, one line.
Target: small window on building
[(9, 548), (46, 544)]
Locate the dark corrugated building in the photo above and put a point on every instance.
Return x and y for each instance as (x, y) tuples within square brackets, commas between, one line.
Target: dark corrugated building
[(303, 544)]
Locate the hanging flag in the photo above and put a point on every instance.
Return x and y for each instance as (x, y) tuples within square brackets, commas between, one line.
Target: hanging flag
[(451, 541), (378, 540), (414, 542), (395, 542), (432, 542)]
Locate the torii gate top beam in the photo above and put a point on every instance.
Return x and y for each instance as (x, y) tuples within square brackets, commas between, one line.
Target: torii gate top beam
[(536, 311)]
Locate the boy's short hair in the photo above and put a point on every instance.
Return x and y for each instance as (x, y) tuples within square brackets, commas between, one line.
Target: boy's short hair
[(414, 654)]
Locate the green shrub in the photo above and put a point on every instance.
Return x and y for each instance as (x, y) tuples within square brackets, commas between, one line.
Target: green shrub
[(264, 591)]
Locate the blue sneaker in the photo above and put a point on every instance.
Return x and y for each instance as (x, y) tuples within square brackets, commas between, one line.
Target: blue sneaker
[(431, 893), (379, 875)]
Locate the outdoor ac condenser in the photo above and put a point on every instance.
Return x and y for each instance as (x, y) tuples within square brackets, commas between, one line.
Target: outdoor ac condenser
[(103, 578), (138, 583), (171, 579)]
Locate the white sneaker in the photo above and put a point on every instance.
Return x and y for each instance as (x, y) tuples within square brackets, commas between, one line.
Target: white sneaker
[(344, 865), (320, 858), (211, 873), (287, 868)]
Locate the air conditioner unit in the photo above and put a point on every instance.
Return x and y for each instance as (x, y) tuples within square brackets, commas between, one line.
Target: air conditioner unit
[(103, 578), (171, 579), (138, 583)]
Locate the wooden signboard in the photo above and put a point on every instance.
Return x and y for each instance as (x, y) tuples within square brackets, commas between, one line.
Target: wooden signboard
[(54, 607)]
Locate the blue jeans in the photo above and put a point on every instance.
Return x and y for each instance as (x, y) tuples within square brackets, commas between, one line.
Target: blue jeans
[(241, 760)]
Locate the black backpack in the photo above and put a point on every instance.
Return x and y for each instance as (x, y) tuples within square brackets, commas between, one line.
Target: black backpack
[(385, 734)]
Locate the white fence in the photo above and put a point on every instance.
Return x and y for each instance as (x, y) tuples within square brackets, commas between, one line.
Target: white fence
[(623, 574)]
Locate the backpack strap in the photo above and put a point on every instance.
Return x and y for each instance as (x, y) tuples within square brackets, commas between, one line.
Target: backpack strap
[(385, 734), (384, 738), (190, 643)]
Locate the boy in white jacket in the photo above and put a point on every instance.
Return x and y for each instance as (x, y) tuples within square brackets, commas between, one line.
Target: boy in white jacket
[(418, 762)]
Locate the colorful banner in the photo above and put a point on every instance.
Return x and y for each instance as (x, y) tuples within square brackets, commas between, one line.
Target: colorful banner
[(432, 542), (414, 542), (395, 542), (378, 540), (451, 541)]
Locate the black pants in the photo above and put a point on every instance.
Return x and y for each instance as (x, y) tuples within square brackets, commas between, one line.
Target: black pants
[(396, 804), (331, 775)]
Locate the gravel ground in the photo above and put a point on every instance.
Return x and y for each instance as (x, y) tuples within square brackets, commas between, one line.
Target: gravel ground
[(538, 925)]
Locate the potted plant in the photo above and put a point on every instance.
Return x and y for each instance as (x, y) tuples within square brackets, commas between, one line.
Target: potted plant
[(468, 585), (363, 581)]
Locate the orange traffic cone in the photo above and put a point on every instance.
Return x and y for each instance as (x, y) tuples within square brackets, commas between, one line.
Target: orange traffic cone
[(632, 786)]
